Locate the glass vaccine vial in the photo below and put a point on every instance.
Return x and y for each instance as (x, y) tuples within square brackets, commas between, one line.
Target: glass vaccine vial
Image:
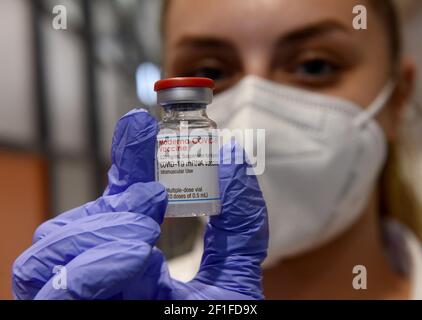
[(187, 147)]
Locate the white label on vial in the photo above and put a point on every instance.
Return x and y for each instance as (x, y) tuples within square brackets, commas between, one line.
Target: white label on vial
[(188, 167)]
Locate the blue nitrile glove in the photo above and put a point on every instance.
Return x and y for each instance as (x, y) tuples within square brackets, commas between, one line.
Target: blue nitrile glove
[(108, 246)]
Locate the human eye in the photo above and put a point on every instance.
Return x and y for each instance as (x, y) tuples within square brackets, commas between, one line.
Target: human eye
[(315, 70), (222, 72), (212, 72)]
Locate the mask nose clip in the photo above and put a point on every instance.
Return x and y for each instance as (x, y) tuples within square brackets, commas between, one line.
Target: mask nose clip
[(375, 107)]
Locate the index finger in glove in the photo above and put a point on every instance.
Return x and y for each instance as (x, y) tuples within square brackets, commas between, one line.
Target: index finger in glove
[(132, 151), (132, 155)]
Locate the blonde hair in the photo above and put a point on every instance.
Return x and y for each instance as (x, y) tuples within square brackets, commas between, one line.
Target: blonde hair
[(401, 182)]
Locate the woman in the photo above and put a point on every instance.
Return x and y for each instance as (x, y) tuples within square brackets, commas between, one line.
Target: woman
[(311, 45), (330, 98)]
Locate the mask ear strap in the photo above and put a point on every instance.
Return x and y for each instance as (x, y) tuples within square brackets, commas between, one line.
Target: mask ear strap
[(375, 107)]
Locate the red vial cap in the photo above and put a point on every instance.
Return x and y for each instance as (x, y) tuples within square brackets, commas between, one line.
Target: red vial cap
[(183, 82)]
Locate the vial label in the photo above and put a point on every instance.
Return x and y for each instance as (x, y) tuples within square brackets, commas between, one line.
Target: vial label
[(187, 165)]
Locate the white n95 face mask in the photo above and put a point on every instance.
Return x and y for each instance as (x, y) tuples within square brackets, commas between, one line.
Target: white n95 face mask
[(323, 157)]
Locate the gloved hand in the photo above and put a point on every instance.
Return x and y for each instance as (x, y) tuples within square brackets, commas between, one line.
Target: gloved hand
[(108, 246)]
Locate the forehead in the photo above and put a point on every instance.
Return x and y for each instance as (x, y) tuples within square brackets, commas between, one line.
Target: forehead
[(238, 19)]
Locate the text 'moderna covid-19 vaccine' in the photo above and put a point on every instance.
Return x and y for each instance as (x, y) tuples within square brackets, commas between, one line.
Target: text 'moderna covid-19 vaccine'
[(187, 154)]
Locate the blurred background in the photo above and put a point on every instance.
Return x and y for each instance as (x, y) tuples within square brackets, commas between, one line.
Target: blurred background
[(61, 93)]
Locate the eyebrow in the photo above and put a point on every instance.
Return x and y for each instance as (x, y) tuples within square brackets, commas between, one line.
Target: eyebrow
[(199, 42), (312, 31), (296, 36)]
